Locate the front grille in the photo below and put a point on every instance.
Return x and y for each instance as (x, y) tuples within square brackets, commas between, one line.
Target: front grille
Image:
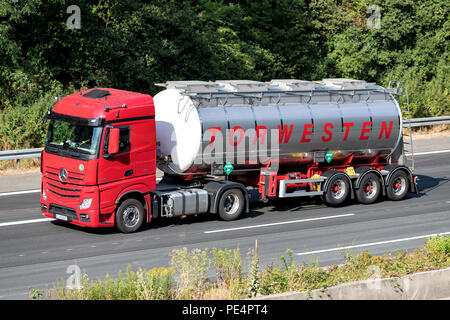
[(72, 176), (63, 190), (64, 211)]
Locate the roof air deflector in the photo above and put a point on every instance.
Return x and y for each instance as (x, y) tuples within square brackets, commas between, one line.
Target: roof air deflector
[(97, 94)]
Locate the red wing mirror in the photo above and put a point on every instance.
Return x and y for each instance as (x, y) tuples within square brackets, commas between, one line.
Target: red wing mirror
[(113, 141)]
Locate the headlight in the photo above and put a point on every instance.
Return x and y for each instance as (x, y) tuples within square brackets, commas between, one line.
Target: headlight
[(86, 204), (44, 195)]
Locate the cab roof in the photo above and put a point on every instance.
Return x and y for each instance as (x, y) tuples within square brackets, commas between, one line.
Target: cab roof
[(107, 103)]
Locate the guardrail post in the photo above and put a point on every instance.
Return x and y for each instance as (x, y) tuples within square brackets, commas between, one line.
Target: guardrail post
[(18, 163)]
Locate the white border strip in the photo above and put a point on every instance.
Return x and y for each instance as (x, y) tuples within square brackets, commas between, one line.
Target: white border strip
[(19, 192), (279, 223), (14, 223), (428, 152), (371, 244), (36, 191)]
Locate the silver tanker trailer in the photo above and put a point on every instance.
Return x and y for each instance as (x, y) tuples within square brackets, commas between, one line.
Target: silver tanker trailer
[(336, 138)]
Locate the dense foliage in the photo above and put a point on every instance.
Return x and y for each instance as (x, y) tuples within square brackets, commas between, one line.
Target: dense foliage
[(132, 44)]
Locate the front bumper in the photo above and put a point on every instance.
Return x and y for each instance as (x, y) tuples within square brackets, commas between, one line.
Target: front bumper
[(63, 201)]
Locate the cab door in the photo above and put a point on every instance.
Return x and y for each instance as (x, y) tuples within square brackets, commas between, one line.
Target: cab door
[(120, 165), (115, 169)]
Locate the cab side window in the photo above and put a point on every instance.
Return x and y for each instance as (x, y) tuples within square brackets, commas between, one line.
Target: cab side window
[(124, 140)]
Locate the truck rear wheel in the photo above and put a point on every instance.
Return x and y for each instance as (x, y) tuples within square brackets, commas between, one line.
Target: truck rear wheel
[(369, 189), (129, 216), (398, 186), (231, 204), (337, 190)]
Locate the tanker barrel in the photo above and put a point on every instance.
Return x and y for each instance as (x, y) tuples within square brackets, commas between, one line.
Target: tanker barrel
[(284, 121)]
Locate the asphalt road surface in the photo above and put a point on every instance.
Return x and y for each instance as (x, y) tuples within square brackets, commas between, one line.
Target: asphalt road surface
[(35, 252)]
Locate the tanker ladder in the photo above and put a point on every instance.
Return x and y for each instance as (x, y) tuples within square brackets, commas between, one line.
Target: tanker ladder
[(400, 90)]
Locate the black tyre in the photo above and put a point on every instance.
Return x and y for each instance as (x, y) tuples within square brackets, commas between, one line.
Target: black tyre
[(369, 189), (129, 216), (398, 186), (231, 204), (337, 191)]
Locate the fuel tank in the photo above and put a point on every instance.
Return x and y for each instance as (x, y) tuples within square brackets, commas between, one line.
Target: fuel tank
[(249, 123)]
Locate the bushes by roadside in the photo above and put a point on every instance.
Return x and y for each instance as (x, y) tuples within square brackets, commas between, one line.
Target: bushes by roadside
[(21, 122), (186, 278)]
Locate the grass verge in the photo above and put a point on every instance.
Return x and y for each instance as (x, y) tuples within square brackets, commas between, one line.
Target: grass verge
[(186, 276)]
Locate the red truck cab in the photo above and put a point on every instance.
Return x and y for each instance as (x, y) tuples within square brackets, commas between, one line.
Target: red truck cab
[(100, 153)]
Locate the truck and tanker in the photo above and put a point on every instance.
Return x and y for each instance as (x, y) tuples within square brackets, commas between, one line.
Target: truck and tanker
[(340, 139)]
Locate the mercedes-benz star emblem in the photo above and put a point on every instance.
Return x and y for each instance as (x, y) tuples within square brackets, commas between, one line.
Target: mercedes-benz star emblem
[(63, 174)]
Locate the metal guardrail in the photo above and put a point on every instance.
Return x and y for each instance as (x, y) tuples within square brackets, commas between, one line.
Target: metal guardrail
[(421, 122), (20, 154), (36, 153)]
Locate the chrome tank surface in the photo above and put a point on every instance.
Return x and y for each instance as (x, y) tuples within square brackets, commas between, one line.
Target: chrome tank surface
[(195, 119)]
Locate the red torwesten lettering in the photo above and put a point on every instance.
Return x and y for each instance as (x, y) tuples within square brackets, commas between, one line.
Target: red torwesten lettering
[(260, 135), (213, 137), (241, 135), (385, 130), (307, 131), (328, 132), (365, 130), (284, 133), (347, 126)]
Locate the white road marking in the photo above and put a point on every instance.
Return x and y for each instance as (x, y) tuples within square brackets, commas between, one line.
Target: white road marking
[(370, 244), (6, 224), (428, 152), (19, 192), (36, 191), (279, 223)]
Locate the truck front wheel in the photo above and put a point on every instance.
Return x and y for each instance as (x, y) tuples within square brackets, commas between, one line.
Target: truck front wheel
[(129, 216), (231, 204)]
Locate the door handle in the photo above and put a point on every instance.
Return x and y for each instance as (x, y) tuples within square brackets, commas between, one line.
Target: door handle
[(128, 173)]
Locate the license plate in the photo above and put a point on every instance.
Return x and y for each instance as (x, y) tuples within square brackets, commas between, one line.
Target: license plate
[(60, 217)]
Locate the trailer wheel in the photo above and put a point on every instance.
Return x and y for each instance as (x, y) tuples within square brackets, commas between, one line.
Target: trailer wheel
[(369, 189), (337, 191), (129, 216), (231, 204), (398, 186)]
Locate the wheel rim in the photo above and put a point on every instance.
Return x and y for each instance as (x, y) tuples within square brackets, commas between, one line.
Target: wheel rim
[(339, 189), (231, 204), (399, 185), (130, 216), (370, 189)]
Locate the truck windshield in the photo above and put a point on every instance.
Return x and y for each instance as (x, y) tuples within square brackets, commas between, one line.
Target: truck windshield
[(74, 137)]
